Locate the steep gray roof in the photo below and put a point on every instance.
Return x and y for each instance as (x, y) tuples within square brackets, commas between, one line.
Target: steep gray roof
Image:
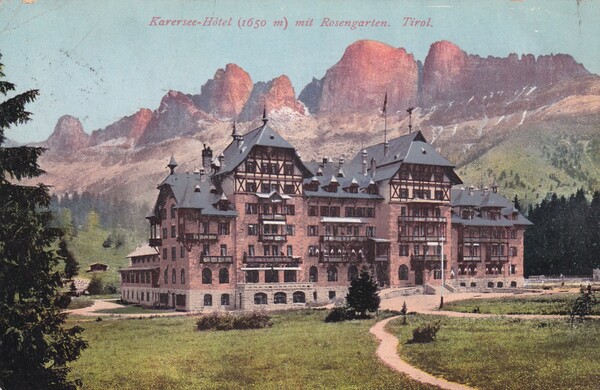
[(183, 187), (352, 176), (482, 199), (236, 152)]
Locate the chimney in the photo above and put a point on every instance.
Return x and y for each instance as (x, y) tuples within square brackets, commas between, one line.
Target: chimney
[(236, 137), (471, 190), (373, 166), (172, 164), (264, 117), (495, 187), (386, 147), (202, 175), (341, 167), (207, 155), (324, 161), (221, 159)]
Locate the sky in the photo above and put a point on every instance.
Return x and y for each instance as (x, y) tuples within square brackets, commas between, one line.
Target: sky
[(101, 61)]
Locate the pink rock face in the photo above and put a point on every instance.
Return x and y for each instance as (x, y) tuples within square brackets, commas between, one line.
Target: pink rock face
[(177, 115), (225, 95), (68, 136), (450, 73), (130, 127), (275, 95), (359, 81)]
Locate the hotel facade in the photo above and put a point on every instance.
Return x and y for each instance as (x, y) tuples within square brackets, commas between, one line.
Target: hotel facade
[(258, 228)]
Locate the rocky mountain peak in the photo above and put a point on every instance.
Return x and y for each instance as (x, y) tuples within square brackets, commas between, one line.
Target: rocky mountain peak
[(68, 136), (225, 95), (274, 95)]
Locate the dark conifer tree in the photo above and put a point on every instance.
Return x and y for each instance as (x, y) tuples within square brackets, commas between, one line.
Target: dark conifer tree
[(363, 295), (71, 264), (34, 345)]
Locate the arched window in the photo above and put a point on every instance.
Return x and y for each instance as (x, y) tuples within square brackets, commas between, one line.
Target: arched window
[(207, 300), (206, 276), (332, 274), (298, 297), (313, 274), (252, 276), (182, 279), (260, 299), (223, 276), (166, 276), (173, 276), (280, 298), (352, 273), (403, 272)]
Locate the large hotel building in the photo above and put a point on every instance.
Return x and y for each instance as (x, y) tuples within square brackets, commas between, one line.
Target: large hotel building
[(257, 227)]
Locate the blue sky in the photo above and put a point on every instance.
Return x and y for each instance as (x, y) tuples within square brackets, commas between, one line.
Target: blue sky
[(100, 61)]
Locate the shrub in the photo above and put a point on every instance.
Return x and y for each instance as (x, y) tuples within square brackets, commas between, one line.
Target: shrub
[(426, 333), (95, 287), (226, 321), (340, 313)]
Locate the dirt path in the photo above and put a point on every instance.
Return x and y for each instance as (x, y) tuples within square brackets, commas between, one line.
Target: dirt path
[(103, 304), (387, 352), (428, 304)]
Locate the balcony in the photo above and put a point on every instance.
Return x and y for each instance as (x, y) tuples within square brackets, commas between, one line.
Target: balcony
[(470, 258), (335, 259), (476, 240), (422, 238), (271, 259), (200, 237), (216, 259), (272, 217), (412, 218), (497, 258), (421, 258), (343, 238), (382, 258), (155, 242), (272, 237)]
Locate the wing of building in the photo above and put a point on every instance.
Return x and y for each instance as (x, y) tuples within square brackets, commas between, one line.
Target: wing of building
[(257, 227)]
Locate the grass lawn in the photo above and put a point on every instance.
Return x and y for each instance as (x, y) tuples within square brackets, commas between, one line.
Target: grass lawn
[(300, 351), (132, 310), (497, 353), (538, 304)]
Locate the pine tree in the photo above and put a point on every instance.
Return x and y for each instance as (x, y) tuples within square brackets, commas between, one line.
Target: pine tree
[(71, 264), (363, 295), (34, 346)]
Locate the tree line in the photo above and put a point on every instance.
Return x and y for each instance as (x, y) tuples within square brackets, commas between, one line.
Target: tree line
[(565, 237)]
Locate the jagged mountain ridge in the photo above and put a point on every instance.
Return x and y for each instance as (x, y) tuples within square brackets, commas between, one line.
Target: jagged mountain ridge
[(464, 116)]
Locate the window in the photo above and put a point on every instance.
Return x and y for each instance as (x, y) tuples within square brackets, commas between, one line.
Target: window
[(313, 230), (513, 251), (223, 276), (416, 250), (289, 276), (205, 227), (207, 300), (206, 276), (165, 253), (437, 273), (312, 251), (173, 253), (252, 230), (205, 249), (172, 211), (223, 228), (290, 209), (280, 298), (182, 279), (290, 230), (404, 193), (439, 195), (252, 276), (251, 208), (260, 299), (163, 213), (250, 166), (298, 297), (274, 187), (403, 250), (334, 211), (288, 188), (166, 276), (173, 232), (251, 250), (250, 187), (331, 294), (266, 188), (324, 211), (165, 233), (224, 299), (288, 169), (512, 269), (403, 272), (313, 274), (223, 249), (513, 234), (182, 252), (266, 250), (332, 274), (370, 231), (290, 251), (173, 276), (313, 211), (352, 273), (271, 276)]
